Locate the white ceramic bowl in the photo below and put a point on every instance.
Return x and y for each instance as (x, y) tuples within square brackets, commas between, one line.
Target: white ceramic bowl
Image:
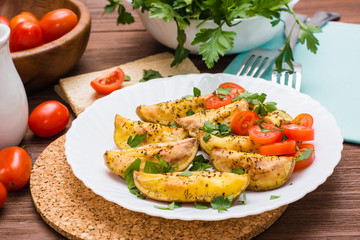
[(250, 33)]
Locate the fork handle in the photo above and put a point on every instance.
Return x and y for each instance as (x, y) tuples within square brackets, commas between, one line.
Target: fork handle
[(322, 17), (295, 32)]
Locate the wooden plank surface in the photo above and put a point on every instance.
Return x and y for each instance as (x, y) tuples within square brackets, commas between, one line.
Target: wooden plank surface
[(330, 212)]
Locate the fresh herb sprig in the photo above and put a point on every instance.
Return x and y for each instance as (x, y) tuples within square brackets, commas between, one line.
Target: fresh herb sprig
[(262, 108), (214, 42), (219, 129)]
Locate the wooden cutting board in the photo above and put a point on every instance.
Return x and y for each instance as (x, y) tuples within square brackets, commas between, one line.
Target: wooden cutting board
[(74, 211)]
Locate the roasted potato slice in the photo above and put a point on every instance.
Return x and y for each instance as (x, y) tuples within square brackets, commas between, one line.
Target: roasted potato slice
[(223, 114), (232, 142), (155, 132), (180, 153), (167, 112), (278, 117), (266, 172), (201, 186)]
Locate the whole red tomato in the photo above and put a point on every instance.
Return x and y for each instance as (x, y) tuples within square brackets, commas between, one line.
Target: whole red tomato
[(3, 194), (24, 36), (15, 168), (57, 23), (22, 17), (48, 119), (4, 20)]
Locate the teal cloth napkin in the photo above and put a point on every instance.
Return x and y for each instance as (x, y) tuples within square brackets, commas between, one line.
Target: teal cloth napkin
[(332, 76)]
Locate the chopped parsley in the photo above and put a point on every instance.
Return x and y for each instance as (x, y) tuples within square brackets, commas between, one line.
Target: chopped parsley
[(150, 74), (244, 199), (129, 177), (196, 92), (127, 78), (222, 203), (158, 167), (219, 129), (238, 171), (305, 155), (186, 173), (206, 137), (135, 142), (201, 206), (200, 163), (272, 197), (190, 112), (171, 206)]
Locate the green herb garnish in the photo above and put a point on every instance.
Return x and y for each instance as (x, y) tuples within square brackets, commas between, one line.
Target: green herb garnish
[(238, 171), (190, 112), (186, 173), (127, 78), (196, 91), (150, 74), (158, 167), (264, 130), (206, 137), (219, 129), (129, 178), (244, 198), (134, 142), (171, 206), (200, 163), (201, 206), (272, 197), (305, 155), (222, 203), (172, 124)]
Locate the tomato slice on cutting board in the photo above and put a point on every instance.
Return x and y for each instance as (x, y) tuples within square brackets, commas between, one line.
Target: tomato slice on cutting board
[(108, 81)]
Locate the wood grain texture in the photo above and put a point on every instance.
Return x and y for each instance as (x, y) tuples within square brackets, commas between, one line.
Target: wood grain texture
[(330, 212)]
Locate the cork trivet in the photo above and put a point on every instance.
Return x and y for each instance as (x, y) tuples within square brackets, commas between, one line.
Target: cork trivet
[(73, 210)]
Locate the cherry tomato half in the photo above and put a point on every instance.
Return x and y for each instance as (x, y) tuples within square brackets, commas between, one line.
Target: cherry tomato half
[(306, 162), (215, 101), (57, 23), (279, 148), (304, 119), (22, 17), (48, 119), (242, 122), (15, 168), (235, 89), (260, 136), (24, 36), (108, 81), (298, 132), (3, 194), (4, 20)]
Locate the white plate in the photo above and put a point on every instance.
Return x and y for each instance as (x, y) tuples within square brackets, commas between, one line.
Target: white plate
[(92, 131)]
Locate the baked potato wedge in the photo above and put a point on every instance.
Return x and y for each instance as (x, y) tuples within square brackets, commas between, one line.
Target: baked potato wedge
[(278, 117), (167, 112), (223, 114), (201, 186), (266, 172), (180, 153), (232, 142), (155, 132)]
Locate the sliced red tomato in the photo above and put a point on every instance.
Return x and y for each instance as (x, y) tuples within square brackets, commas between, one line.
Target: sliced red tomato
[(215, 101), (306, 162), (108, 81), (57, 23), (279, 148), (24, 36), (4, 20), (3, 194), (303, 119), (22, 17), (266, 135), (242, 122), (235, 89), (298, 132)]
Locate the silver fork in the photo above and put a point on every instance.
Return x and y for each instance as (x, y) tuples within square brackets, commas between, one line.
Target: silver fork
[(286, 77), (258, 60)]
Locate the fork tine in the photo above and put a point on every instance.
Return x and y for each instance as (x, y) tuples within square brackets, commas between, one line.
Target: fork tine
[(264, 67), (243, 64), (282, 78), (249, 67), (298, 81), (290, 79), (256, 67)]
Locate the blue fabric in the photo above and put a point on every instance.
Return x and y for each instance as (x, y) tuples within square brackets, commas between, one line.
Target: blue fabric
[(331, 76)]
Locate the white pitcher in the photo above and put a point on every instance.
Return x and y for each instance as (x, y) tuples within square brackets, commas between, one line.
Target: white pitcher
[(14, 109)]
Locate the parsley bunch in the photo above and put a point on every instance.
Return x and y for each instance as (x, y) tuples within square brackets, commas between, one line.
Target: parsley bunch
[(213, 42)]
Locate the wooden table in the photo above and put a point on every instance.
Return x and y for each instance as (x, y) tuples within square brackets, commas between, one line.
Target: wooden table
[(332, 211)]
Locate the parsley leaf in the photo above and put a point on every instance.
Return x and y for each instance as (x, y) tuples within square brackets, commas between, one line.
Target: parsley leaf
[(264, 108), (305, 155), (201, 206), (171, 206), (219, 129), (158, 167), (206, 137), (129, 172), (172, 124), (124, 17), (134, 142), (272, 197), (244, 198), (186, 173), (190, 112), (197, 92), (264, 130), (150, 74), (238, 171), (221, 203), (134, 190), (127, 78), (200, 163), (223, 91)]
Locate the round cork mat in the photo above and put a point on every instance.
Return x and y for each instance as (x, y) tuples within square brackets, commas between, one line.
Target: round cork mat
[(74, 211)]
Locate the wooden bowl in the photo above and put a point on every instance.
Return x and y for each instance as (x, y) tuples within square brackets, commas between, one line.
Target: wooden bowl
[(43, 65)]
